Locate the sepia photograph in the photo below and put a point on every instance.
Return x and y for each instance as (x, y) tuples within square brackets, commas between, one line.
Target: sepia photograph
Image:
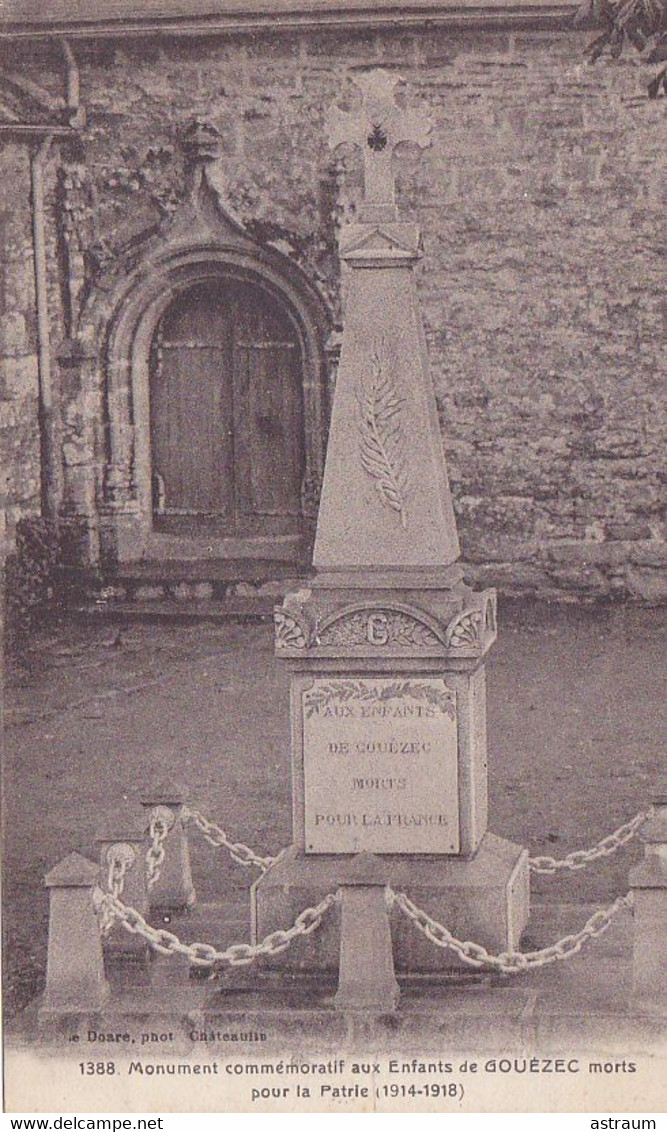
[(334, 576)]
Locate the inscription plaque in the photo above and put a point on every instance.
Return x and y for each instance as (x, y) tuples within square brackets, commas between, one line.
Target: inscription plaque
[(380, 763)]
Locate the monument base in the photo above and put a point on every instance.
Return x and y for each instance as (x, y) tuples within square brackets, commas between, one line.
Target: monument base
[(484, 898)]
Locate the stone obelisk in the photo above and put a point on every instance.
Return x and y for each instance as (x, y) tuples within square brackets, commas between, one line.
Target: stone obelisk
[(386, 648)]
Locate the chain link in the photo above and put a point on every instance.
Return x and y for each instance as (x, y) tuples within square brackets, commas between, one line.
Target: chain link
[(120, 858), (204, 954), (217, 837), (580, 858), (509, 962), (162, 819), (245, 856)]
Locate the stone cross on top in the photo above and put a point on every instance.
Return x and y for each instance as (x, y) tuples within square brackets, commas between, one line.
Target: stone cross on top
[(377, 127)]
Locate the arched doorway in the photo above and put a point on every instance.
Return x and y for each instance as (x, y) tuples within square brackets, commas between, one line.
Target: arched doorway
[(226, 413), (214, 375)]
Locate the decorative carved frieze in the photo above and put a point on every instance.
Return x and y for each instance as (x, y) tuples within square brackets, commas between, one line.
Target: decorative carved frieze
[(391, 630), (290, 633), (377, 627), (464, 632), (338, 692), (474, 628)]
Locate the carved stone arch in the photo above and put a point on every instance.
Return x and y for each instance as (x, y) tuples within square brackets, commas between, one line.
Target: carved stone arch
[(204, 243)]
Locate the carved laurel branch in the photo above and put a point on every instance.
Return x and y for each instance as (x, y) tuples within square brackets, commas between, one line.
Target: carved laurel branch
[(351, 630), (346, 690), (381, 435)]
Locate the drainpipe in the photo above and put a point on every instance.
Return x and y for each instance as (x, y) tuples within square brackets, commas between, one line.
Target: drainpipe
[(50, 470), (76, 111)]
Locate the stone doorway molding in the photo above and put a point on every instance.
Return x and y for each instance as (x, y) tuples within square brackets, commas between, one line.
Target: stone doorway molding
[(204, 242)]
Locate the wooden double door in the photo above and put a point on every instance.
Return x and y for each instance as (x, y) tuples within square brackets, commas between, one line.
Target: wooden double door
[(226, 413)]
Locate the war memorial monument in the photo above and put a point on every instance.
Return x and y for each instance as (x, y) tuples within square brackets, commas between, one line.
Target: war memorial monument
[(392, 872)]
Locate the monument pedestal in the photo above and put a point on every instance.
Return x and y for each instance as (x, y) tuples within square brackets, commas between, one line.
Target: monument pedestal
[(388, 710), (484, 898)]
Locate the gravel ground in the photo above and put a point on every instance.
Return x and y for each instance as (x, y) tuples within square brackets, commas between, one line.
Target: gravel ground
[(576, 723)]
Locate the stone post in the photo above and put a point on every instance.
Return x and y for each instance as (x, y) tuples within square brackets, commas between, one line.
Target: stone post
[(366, 979), (75, 966), (173, 891), (648, 882), (125, 837)]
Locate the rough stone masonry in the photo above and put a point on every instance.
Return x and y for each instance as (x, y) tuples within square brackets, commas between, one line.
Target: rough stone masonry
[(540, 205)]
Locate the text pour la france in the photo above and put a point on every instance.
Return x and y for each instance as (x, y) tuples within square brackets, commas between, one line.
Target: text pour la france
[(381, 819)]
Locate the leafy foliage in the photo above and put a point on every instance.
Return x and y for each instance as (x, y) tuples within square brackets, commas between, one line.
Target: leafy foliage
[(640, 23), (31, 580)]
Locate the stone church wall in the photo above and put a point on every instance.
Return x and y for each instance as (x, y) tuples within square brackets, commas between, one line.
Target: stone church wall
[(19, 432), (539, 202)]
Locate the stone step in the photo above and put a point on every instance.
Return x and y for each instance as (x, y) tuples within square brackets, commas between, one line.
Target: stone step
[(167, 610), (255, 571), (221, 590)]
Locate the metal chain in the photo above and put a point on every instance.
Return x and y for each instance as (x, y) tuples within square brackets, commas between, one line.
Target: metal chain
[(204, 954), (246, 856), (509, 962), (120, 858), (218, 838), (162, 819), (580, 858)]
